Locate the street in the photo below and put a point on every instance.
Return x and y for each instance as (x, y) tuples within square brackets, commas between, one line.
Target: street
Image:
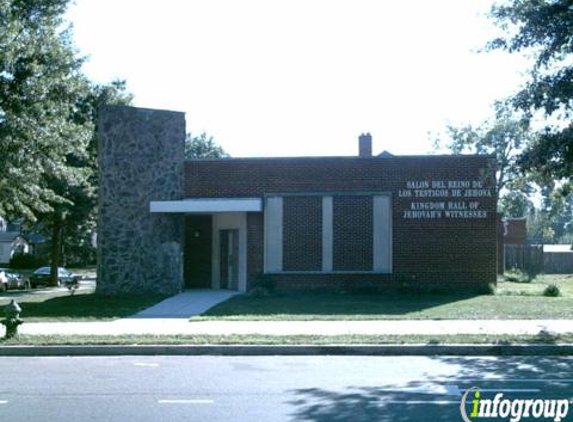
[(271, 388)]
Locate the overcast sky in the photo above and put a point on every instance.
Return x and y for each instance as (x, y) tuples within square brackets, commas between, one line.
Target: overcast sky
[(287, 78)]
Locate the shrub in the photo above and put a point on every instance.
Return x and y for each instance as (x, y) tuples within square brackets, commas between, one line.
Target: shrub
[(488, 289), (259, 292), (24, 261), (264, 285), (552, 290), (517, 276)]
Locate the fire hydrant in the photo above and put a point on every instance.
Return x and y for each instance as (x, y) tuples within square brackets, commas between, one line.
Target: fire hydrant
[(12, 320)]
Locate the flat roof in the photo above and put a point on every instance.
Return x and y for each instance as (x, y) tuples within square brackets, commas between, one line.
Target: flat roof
[(207, 205), (344, 157)]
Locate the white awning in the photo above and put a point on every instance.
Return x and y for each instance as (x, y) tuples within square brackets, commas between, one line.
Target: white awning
[(207, 205)]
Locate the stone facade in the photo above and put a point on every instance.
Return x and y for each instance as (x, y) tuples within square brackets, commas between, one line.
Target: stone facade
[(141, 154)]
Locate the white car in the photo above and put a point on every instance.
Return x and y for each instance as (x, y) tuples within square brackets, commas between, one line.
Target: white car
[(3, 281), (12, 280)]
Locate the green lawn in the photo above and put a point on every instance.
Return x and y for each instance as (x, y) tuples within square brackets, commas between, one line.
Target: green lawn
[(82, 306), (511, 301), (288, 340), (46, 305)]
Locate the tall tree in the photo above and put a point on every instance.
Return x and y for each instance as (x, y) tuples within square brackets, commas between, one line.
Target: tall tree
[(48, 112), (71, 221), (504, 137), (202, 146), (40, 83), (543, 28)]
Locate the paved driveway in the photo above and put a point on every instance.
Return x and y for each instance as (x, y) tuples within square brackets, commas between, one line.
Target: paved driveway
[(186, 304)]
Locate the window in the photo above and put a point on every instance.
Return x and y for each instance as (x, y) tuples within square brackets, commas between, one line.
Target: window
[(328, 233)]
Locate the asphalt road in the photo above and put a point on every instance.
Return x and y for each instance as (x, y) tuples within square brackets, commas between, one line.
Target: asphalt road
[(265, 389)]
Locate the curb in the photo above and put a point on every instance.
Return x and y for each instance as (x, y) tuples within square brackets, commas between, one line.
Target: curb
[(291, 350)]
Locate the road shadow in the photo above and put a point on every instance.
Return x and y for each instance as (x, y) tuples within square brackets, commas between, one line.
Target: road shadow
[(383, 404), (368, 404), (513, 368)]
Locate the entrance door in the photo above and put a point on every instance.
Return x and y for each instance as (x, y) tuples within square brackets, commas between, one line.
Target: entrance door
[(229, 241), (198, 248)]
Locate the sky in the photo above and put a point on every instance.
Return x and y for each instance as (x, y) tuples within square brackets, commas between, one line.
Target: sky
[(302, 77)]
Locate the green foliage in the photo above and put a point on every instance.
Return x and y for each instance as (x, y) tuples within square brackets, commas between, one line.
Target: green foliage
[(516, 204), (48, 113), (202, 146), (69, 224), (567, 238), (40, 84), (552, 290), (517, 276), (504, 137), (540, 227), (24, 261), (263, 286), (544, 29), (489, 289), (553, 219), (77, 251)]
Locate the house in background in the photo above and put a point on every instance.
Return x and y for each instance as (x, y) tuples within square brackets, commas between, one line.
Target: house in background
[(11, 241)]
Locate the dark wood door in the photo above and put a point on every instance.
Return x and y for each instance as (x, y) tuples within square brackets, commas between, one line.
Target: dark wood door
[(198, 251)]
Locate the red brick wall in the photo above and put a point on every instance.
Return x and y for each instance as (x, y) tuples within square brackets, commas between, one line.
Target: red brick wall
[(352, 233), (430, 253), (255, 245), (302, 233), (516, 232)]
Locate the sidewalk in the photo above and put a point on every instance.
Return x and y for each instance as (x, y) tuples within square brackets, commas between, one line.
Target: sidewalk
[(187, 304), (181, 326)]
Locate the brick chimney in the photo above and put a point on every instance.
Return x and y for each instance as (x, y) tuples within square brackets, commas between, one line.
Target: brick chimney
[(365, 145)]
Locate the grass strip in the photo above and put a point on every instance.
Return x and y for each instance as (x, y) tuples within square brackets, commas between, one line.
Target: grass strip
[(46, 340)]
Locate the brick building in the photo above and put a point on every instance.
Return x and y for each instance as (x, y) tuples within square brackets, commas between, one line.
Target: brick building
[(515, 231), (306, 222)]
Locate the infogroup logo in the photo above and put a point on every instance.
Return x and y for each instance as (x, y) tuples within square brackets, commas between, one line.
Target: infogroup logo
[(513, 410)]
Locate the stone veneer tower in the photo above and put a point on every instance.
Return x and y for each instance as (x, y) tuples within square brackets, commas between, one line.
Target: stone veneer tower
[(141, 154)]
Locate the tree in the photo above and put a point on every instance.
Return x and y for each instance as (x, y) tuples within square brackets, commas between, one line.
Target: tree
[(40, 83), (202, 146), (504, 137), (71, 221), (515, 204), (48, 112), (543, 28), (564, 221)]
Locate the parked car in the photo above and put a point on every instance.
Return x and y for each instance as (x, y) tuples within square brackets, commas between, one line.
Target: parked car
[(9, 279), (3, 281), (42, 277)]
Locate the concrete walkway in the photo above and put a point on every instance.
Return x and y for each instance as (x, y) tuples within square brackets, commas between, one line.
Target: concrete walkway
[(186, 304), (174, 326)]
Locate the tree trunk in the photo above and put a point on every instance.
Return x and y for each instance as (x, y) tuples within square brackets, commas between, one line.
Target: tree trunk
[(56, 246)]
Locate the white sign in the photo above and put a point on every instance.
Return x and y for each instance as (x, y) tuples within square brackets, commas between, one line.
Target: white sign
[(459, 199)]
